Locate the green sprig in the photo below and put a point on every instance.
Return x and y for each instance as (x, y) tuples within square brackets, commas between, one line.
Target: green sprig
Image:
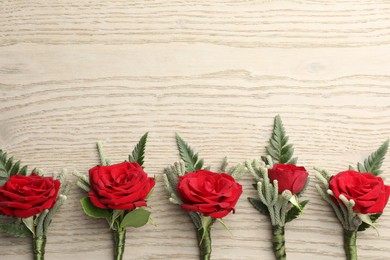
[(191, 159), (279, 149), (138, 153), (374, 161), (9, 168)]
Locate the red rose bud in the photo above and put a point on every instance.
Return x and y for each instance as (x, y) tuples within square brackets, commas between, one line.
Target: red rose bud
[(368, 191), (209, 193), (123, 186), (25, 196), (289, 177)]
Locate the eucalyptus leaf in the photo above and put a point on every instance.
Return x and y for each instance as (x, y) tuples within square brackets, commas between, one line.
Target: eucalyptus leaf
[(93, 211), (135, 218)]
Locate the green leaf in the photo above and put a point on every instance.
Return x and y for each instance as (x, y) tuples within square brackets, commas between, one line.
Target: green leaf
[(15, 168), (29, 223), (278, 149), (265, 160), (257, 204), (136, 218), (17, 230), (373, 218), (23, 171), (361, 167), (8, 168), (190, 158), (9, 164), (138, 154), (293, 161), (374, 162), (294, 212), (93, 211), (3, 174)]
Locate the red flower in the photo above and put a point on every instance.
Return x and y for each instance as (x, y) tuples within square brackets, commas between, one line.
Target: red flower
[(25, 196), (368, 191), (209, 193), (289, 177), (123, 186)]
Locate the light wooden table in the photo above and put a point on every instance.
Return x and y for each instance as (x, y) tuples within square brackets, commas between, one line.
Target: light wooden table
[(73, 72)]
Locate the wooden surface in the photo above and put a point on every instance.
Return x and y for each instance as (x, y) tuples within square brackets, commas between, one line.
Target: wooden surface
[(73, 72)]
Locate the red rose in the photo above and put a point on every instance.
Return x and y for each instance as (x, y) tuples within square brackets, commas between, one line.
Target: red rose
[(209, 193), (368, 191), (289, 177), (123, 186), (25, 196)]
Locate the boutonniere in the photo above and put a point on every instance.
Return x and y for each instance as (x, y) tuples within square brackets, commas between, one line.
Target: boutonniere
[(279, 184), (118, 193), (207, 196), (30, 200), (358, 197)]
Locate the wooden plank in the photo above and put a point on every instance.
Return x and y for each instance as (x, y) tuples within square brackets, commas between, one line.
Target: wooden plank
[(74, 72)]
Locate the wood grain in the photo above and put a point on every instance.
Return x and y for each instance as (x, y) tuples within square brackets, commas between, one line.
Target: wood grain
[(74, 72)]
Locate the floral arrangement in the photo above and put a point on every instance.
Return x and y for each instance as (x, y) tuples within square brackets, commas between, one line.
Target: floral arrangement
[(207, 196), (118, 193), (279, 185), (29, 201), (358, 197)]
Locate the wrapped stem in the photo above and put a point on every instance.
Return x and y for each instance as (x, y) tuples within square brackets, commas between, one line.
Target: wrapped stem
[(119, 243), (39, 244), (350, 244), (204, 239), (278, 242)]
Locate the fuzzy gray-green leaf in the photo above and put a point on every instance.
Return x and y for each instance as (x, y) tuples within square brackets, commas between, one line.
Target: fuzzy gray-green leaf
[(190, 158)]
